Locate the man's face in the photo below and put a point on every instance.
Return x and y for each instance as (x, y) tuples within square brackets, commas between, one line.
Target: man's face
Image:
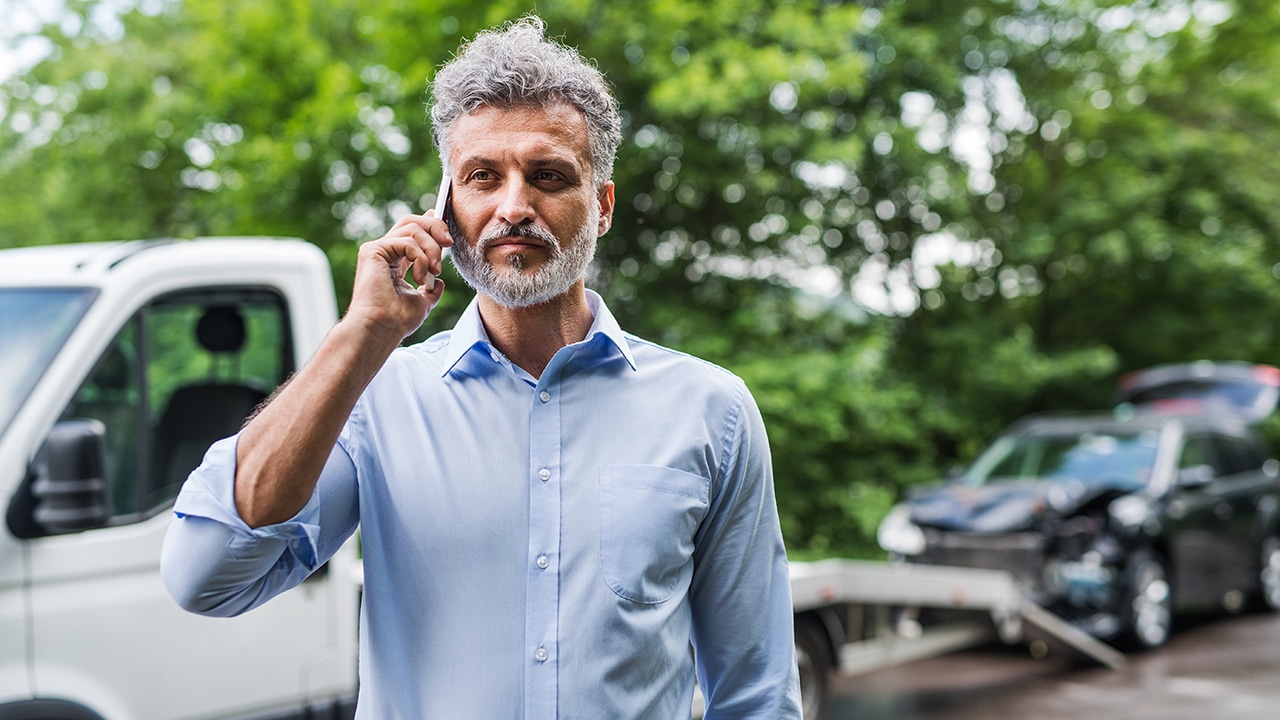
[(525, 212)]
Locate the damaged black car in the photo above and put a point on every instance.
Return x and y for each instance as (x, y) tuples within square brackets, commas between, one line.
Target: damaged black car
[(1116, 521)]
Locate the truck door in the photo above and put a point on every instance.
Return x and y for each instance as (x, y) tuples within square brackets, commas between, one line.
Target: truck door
[(184, 371)]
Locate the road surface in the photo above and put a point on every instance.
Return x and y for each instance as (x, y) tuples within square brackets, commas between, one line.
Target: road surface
[(1223, 667)]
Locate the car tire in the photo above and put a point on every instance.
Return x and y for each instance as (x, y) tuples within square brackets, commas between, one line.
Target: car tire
[(1147, 606), (1267, 594), (813, 656)]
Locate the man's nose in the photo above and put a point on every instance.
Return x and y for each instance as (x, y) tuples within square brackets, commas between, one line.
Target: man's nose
[(515, 207)]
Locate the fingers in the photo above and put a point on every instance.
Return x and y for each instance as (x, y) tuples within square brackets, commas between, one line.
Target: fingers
[(427, 228), (413, 246), (381, 296), (431, 235)]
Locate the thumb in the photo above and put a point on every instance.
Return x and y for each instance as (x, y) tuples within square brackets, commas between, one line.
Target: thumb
[(434, 292)]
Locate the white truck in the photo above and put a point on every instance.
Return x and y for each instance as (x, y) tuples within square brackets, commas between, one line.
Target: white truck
[(119, 364)]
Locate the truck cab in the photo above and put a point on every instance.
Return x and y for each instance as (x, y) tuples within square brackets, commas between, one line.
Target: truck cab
[(119, 365)]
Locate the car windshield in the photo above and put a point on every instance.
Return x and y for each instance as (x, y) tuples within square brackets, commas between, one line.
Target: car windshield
[(34, 323), (1089, 456)]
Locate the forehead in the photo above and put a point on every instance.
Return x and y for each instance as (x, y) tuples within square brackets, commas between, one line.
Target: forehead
[(551, 132)]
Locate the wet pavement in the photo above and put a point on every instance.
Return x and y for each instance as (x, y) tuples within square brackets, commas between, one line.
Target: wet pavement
[(1225, 667)]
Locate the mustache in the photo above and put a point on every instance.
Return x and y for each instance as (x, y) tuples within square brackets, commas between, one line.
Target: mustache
[(506, 230)]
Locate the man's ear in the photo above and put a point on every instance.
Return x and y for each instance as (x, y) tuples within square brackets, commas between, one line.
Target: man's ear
[(605, 197)]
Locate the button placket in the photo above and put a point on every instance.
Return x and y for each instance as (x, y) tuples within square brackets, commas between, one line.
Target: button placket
[(543, 583)]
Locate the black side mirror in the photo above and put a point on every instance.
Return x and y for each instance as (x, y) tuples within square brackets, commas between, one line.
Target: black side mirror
[(66, 487)]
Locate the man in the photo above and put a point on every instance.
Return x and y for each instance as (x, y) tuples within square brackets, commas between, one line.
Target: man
[(551, 510)]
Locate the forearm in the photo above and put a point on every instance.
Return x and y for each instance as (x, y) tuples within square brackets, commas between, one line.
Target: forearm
[(282, 451)]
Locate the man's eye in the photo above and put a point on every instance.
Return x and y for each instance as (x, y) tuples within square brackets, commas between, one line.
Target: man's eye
[(481, 176)]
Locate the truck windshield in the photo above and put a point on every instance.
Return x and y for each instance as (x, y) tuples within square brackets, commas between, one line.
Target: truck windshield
[(34, 323), (1120, 457)]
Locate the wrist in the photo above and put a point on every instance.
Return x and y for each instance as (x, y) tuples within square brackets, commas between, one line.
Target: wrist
[(369, 339), (376, 329)]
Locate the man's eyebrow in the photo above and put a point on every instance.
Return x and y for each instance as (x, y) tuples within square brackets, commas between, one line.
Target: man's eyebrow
[(476, 161), (565, 165), (548, 161)]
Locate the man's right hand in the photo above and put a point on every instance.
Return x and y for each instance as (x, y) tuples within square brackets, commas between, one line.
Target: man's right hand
[(382, 299)]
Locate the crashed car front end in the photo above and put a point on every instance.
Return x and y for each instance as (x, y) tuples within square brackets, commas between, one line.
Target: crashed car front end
[(1072, 566), (1065, 532), (1083, 571)]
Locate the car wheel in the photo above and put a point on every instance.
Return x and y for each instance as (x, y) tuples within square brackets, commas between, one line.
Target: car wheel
[(1268, 593), (1148, 605), (813, 656)]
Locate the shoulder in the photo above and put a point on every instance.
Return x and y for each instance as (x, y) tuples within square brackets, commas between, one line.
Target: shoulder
[(429, 353), (688, 372), (651, 351), (410, 366)]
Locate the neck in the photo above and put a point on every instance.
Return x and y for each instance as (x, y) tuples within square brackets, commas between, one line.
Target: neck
[(530, 336)]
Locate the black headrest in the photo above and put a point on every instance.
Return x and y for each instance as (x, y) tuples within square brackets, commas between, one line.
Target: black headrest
[(221, 329), (113, 370)]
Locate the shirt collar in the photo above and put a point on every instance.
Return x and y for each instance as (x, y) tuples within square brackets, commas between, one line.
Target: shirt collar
[(469, 333)]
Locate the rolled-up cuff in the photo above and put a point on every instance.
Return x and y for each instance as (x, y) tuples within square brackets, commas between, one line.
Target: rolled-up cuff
[(210, 493)]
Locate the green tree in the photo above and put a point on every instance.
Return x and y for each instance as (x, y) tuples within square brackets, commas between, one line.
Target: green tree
[(1129, 201)]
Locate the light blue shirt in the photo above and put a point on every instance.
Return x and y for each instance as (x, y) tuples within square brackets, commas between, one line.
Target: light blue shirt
[(533, 548)]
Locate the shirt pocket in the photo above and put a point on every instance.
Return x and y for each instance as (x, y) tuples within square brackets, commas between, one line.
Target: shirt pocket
[(648, 517)]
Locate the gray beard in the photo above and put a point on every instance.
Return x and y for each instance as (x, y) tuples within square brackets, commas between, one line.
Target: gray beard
[(513, 287)]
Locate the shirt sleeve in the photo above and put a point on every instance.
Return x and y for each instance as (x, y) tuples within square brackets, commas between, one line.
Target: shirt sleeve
[(214, 564), (741, 590)]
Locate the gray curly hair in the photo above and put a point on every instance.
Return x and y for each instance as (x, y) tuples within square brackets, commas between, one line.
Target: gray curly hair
[(518, 65)]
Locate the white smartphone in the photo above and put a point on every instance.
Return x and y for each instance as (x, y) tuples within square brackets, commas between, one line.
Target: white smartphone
[(442, 206), (442, 197)]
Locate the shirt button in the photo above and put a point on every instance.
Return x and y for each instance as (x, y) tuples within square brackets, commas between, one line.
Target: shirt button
[(544, 396), (543, 562), (541, 655), (494, 357), (544, 474)]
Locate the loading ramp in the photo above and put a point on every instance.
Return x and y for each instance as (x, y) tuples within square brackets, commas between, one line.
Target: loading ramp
[(1001, 611)]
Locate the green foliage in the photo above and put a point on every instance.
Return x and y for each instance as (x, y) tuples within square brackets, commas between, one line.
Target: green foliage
[(843, 434), (903, 223)]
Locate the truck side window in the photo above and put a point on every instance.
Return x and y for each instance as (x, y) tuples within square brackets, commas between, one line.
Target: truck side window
[(112, 394), (184, 372)]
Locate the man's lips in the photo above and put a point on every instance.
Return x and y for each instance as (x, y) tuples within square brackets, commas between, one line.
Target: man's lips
[(516, 242)]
